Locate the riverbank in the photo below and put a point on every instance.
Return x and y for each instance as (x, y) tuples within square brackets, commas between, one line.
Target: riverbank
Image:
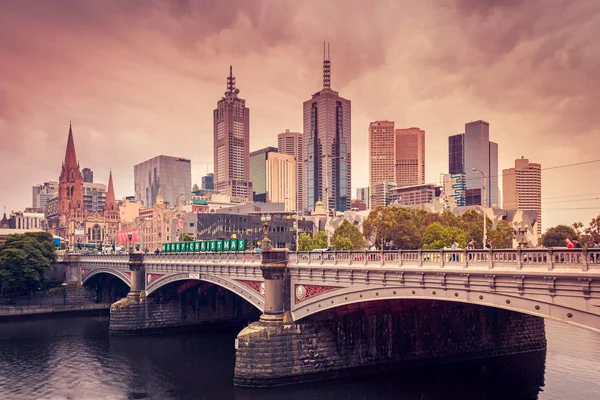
[(9, 313)]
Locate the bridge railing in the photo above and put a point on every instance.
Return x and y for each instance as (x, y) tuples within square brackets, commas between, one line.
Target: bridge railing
[(237, 257), (508, 258)]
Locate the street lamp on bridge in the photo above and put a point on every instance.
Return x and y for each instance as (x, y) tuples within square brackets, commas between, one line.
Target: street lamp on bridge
[(266, 243), (483, 204)]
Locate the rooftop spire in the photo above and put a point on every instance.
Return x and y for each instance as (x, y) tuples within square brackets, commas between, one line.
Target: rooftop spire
[(232, 91), (110, 194), (70, 156), (326, 67)]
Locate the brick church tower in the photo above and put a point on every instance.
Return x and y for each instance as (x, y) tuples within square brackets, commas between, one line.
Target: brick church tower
[(71, 209), (112, 216)]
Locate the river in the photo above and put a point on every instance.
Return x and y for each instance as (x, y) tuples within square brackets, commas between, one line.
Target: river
[(74, 358)]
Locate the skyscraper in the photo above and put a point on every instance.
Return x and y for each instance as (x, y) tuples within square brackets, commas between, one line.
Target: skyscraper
[(327, 146), (470, 150), (258, 173), (291, 143), (88, 175), (409, 147), (231, 143), (382, 158), (522, 188), (208, 181), (172, 175), (42, 193), (281, 180)]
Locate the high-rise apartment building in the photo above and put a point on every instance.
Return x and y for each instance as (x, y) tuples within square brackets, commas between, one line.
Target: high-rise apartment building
[(473, 150), (40, 194), (327, 147), (380, 194), (382, 159), (172, 175), (409, 148), (88, 175), (232, 143), (396, 156), (363, 195), (208, 181), (258, 173), (291, 143), (94, 197), (281, 180), (522, 188)]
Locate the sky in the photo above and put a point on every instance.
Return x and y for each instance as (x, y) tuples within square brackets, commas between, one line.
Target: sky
[(140, 78)]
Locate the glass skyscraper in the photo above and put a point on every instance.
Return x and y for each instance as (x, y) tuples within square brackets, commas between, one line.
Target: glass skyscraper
[(473, 149), (327, 160), (258, 173), (172, 175)]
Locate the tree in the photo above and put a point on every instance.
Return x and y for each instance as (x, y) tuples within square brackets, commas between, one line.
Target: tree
[(307, 243), (380, 224), (502, 235), (438, 236), (577, 227), (352, 233), (472, 223), (594, 229), (342, 243), (555, 236), (186, 237), (23, 261)]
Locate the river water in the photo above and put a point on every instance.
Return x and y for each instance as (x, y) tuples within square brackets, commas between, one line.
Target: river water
[(74, 358)]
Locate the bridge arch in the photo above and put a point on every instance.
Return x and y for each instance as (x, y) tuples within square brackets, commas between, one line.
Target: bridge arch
[(109, 271), (245, 292), (538, 305)]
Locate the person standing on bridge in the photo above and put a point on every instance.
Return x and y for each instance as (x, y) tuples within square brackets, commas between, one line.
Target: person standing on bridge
[(576, 244), (569, 243), (488, 245)]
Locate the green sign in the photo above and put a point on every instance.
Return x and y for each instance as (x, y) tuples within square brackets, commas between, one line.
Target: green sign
[(203, 246), (196, 246), (241, 244), (226, 245), (178, 247), (233, 245), (219, 245), (213, 245)]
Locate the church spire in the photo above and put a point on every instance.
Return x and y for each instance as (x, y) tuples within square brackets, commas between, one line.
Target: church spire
[(110, 204), (70, 156), (326, 67)]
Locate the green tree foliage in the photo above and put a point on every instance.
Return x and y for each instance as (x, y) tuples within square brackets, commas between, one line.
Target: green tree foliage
[(342, 243), (594, 229), (555, 236), (352, 233), (438, 236), (307, 243), (23, 260), (502, 235), (472, 223), (186, 237)]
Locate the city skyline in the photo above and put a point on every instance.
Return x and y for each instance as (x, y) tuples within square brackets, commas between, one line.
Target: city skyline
[(158, 100)]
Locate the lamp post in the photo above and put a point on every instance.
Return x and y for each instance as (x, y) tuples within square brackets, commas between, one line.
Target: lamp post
[(483, 204), (266, 243)]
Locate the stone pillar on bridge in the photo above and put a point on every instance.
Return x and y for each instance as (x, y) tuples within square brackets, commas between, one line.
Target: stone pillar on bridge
[(138, 275), (274, 270)]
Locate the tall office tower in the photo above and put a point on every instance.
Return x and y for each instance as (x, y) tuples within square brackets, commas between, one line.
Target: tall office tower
[(208, 181), (42, 193), (291, 143), (382, 158), (522, 188), (281, 180), (409, 147), (470, 150), (327, 147), (172, 175), (363, 195), (231, 143), (88, 175), (258, 173), (94, 197)]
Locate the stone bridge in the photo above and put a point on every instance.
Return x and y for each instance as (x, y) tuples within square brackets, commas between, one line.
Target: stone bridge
[(308, 301)]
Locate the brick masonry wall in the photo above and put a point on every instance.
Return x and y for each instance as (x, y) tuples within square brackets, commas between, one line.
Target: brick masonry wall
[(372, 339), (151, 314)]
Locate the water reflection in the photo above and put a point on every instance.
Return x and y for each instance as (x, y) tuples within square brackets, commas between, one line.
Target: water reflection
[(76, 359)]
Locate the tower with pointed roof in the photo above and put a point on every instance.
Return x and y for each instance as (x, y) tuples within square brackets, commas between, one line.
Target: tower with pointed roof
[(232, 143), (71, 208), (112, 216), (326, 146)]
